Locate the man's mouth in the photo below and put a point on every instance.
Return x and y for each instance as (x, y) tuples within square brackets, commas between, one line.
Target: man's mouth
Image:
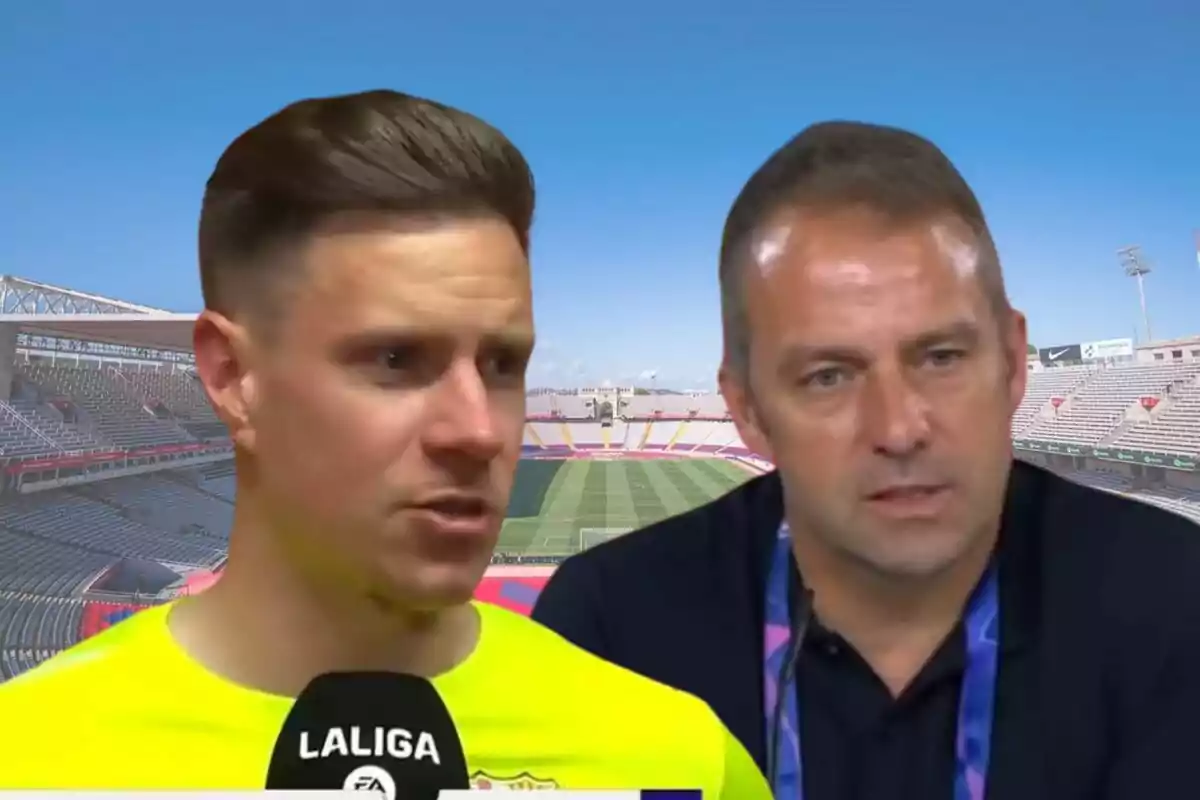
[(924, 501), (457, 506), (902, 493), (457, 515)]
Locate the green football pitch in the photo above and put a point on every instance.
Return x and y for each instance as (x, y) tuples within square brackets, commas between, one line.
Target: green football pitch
[(560, 507)]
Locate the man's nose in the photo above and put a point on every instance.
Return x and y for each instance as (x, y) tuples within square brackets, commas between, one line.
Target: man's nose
[(896, 414), (461, 417)]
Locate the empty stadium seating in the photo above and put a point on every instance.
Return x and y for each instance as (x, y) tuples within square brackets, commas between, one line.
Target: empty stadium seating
[(617, 433), (587, 435), (29, 429), (165, 505), (673, 405), (547, 434), (180, 393), (36, 564), (702, 436), (1042, 389), (539, 405), (85, 518), (1096, 405), (109, 407), (661, 435), (34, 628), (1174, 427), (64, 407)]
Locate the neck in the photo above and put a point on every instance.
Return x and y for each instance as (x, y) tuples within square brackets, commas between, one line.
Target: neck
[(271, 625), (896, 623)]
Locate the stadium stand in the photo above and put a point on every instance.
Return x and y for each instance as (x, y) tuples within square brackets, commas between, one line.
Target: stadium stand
[(1046, 391), (101, 400), (27, 428), (1173, 426), (34, 628), (1095, 410), (116, 480)]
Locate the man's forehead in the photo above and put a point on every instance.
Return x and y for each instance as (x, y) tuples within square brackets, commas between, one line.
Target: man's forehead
[(800, 232), (435, 276), (860, 251), (855, 277), (363, 258)]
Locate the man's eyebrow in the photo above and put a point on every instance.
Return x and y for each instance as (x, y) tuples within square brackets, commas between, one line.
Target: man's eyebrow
[(962, 332), (512, 339), (799, 354), (358, 342), (375, 339)]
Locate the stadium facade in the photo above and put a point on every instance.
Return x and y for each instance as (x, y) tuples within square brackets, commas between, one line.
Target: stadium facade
[(116, 479)]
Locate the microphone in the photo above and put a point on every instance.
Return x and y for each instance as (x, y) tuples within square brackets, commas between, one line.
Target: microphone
[(382, 732)]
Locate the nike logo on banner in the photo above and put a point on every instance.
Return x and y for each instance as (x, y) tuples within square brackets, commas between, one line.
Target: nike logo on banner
[(1053, 355)]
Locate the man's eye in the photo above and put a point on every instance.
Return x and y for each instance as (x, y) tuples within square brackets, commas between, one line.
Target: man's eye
[(827, 378), (396, 366), (397, 358), (945, 357), (504, 366)]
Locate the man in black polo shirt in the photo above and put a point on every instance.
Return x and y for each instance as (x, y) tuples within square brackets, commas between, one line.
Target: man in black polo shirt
[(900, 610)]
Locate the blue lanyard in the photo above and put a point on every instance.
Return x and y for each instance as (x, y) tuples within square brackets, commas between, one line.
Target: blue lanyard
[(976, 708)]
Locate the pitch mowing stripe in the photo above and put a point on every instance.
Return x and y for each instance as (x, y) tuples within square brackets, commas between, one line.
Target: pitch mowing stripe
[(668, 492), (593, 511), (525, 534), (647, 503), (707, 477), (556, 524), (565, 492), (726, 474), (621, 511), (609, 494), (688, 489)]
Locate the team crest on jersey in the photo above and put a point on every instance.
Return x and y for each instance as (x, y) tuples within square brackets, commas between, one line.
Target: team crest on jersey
[(486, 780)]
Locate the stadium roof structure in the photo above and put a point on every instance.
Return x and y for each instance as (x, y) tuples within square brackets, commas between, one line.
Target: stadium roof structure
[(39, 309)]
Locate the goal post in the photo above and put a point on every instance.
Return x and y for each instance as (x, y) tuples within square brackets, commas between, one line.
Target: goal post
[(590, 537)]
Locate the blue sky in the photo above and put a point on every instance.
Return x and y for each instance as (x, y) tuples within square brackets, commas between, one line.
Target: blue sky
[(1079, 131)]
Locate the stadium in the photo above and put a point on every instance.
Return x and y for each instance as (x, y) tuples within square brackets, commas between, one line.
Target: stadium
[(116, 479)]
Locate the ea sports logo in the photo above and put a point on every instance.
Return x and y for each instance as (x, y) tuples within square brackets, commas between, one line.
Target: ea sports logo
[(369, 778)]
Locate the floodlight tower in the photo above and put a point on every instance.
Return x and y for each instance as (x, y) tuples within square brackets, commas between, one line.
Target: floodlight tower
[(1136, 267)]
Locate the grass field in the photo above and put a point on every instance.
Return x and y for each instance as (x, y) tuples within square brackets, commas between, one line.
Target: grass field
[(553, 501)]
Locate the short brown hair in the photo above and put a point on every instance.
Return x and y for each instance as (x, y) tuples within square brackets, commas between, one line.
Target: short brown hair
[(833, 166), (376, 151)]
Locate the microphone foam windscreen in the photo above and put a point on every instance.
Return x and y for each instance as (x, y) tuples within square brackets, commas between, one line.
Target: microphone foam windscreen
[(376, 731)]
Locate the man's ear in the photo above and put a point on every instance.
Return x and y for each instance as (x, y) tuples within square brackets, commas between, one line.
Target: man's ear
[(224, 364), (1016, 344), (735, 388)]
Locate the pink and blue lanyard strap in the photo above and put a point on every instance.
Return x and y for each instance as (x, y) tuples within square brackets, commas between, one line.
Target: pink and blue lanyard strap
[(976, 709)]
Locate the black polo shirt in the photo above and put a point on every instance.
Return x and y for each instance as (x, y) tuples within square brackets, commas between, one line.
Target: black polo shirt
[(1098, 692), (861, 742)]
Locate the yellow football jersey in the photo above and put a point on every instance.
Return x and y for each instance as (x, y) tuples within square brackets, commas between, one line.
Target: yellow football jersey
[(129, 709)]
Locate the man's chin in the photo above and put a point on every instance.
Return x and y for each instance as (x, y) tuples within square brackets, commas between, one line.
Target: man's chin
[(914, 562), (437, 587)]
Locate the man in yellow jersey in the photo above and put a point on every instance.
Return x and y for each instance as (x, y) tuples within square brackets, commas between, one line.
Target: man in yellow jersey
[(367, 324)]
